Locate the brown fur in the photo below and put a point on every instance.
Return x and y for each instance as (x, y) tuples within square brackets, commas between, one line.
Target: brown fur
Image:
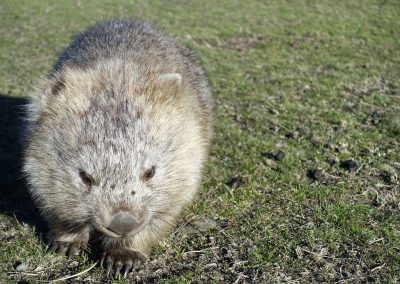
[(123, 98)]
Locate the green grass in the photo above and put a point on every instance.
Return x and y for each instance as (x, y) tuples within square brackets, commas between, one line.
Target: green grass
[(318, 80)]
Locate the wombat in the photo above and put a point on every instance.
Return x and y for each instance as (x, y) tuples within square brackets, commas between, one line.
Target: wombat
[(116, 139)]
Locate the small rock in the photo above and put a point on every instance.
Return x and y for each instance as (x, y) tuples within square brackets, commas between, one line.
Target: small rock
[(39, 268), (292, 135), (273, 111), (275, 128), (333, 160), (316, 140), (235, 182), (341, 147), (366, 151), (279, 155), (269, 162), (349, 165), (337, 128), (203, 223), (267, 80), (299, 252), (20, 266), (329, 146), (74, 264), (388, 175), (223, 222), (314, 174), (191, 230), (210, 266), (190, 254)]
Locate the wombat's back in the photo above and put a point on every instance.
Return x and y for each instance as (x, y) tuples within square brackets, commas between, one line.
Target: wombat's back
[(116, 38), (143, 45)]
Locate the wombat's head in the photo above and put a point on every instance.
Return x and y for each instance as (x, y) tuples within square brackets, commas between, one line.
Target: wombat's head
[(113, 150)]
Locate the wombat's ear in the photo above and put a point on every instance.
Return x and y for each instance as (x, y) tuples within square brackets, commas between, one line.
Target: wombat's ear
[(56, 84), (170, 83), (49, 86), (39, 97)]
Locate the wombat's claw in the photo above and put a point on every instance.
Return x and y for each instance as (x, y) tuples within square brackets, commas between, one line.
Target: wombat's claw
[(117, 268), (67, 243), (121, 263), (128, 266), (73, 250), (108, 264), (108, 271), (63, 248)]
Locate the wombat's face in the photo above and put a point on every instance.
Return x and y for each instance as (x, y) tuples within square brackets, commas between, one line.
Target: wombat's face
[(118, 164)]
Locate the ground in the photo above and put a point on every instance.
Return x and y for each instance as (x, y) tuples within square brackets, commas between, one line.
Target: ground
[(303, 181)]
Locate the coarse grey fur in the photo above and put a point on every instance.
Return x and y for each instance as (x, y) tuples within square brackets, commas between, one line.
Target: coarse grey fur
[(122, 125)]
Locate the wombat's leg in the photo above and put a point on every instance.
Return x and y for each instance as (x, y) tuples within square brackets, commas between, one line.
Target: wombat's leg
[(121, 258), (69, 243)]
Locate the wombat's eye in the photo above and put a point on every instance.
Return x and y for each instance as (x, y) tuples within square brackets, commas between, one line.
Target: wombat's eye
[(149, 173), (86, 178)]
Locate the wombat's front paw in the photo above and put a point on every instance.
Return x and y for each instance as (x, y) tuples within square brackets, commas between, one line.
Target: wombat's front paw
[(68, 243), (121, 261)]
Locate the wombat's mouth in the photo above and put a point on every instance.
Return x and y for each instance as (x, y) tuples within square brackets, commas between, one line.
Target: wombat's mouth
[(122, 223), (112, 234), (121, 230)]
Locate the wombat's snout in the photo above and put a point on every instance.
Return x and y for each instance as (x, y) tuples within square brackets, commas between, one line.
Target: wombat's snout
[(123, 223)]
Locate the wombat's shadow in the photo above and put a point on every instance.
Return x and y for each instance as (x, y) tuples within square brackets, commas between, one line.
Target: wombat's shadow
[(15, 200)]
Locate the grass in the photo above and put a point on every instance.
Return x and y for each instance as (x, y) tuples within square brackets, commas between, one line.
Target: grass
[(317, 80)]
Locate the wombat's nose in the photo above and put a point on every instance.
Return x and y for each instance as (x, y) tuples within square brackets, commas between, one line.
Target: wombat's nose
[(123, 223)]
